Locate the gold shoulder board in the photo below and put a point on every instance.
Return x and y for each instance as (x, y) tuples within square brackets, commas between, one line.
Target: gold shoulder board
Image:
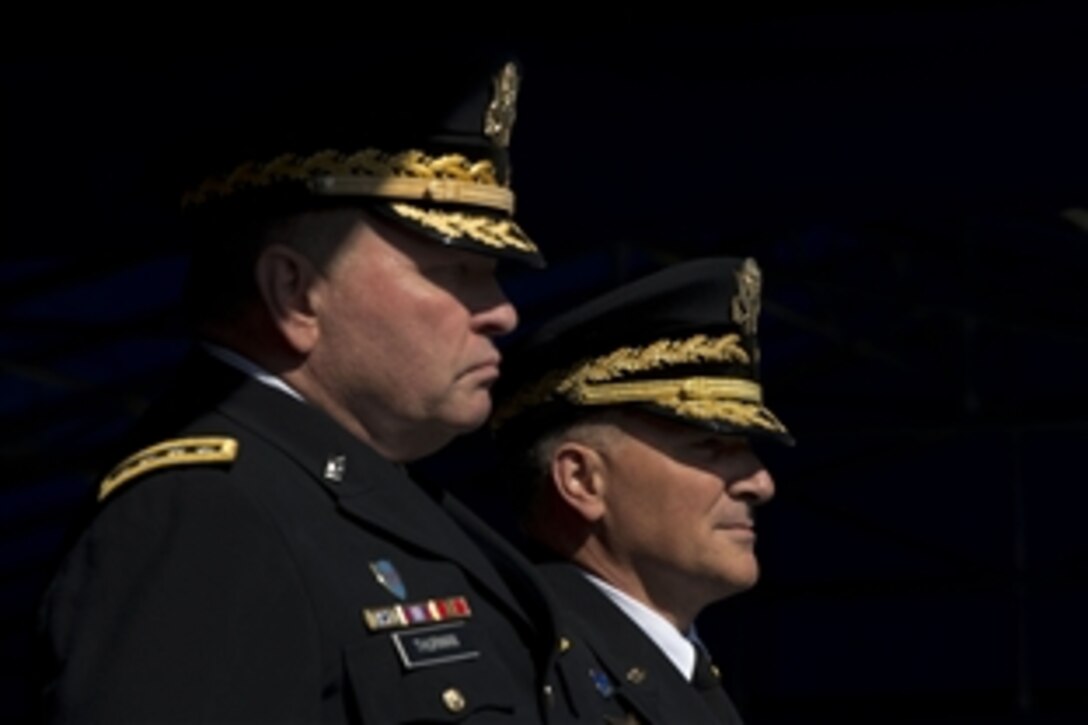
[(175, 452)]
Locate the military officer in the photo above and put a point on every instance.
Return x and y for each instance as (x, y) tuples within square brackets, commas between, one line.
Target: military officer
[(262, 555), (635, 414)]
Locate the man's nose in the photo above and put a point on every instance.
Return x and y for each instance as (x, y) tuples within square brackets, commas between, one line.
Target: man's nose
[(496, 314), (756, 486)]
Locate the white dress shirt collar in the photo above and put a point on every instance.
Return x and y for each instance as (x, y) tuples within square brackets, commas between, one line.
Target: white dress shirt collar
[(250, 368), (677, 647)]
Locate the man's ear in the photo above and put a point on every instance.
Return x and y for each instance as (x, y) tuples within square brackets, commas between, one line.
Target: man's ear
[(286, 279), (579, 478)]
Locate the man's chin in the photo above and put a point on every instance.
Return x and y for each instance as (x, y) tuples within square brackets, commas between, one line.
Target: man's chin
[(736, 580), (471, 414)]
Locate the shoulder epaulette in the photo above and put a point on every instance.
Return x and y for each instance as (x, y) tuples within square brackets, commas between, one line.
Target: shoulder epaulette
[(174, 452)]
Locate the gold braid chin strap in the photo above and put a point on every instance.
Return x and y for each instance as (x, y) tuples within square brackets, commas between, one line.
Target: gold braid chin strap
[(667, 391), (733, 400)]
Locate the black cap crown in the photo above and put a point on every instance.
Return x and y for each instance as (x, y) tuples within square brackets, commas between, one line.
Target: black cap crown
[(420, 136)]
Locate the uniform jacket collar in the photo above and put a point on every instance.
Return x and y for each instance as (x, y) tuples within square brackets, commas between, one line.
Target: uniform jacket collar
[(637, 669)]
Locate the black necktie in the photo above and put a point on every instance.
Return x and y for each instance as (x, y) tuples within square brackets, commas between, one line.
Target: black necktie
[(707, 682)]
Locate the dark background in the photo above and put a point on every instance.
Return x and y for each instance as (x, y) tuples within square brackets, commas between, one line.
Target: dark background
[(912, 182)]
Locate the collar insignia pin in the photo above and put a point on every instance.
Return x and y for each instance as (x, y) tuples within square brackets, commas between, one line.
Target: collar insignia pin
[(335, 468), (602, 682)]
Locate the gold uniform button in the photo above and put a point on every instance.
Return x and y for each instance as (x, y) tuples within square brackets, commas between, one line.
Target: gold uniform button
[(564, 644), (453, 700), (636, 675), (549, 696), (717, 674)]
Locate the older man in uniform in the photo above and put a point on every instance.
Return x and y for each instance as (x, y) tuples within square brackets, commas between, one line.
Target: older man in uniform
[(635, 413), (262, 556)]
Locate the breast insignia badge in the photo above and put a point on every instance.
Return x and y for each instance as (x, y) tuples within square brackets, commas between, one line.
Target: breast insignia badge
[(387, 575)]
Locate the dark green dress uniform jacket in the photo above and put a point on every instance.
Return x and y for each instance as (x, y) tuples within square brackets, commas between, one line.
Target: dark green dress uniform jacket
[(235, 592), (622, 676)]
